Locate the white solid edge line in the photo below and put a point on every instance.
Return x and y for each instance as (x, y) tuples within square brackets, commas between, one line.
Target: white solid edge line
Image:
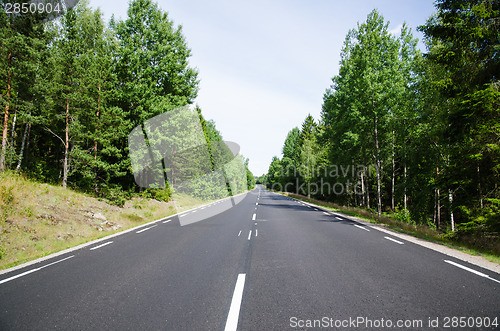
[(93, 242), (17, 276), (361, 227), (394, 240), (471, 270), (253, 217), (33, 270), (146, 229), (466, 268), (96, 247), (249, 234), (234, 310)]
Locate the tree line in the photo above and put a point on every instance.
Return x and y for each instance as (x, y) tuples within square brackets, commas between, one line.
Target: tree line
[(421, 131), (72, 89)]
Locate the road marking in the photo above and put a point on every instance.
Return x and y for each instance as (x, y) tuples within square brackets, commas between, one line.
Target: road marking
[(361, 227), (234, 310), (239, 233), (194, 211), (145, 229), (96, 247), (256, 203), (253, 217), (249, 234), (396, 241), (471, 270), (326, 213), (316, 209), (203, 207), (256, 232), (167, 221), (33, 270), (182, 215), (339, 218)]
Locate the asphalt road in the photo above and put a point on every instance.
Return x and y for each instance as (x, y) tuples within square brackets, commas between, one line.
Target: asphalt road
[(260, 261)]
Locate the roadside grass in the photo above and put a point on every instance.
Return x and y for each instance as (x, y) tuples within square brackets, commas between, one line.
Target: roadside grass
[(420, 231), (39, 219)]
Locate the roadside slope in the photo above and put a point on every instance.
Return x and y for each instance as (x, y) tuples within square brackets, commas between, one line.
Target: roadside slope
[(38, 219)]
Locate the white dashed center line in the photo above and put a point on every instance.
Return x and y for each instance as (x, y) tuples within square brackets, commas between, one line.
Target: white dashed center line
[(234, 310)]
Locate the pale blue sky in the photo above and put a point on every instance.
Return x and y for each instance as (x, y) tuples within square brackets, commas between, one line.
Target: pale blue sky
[(264, 65)]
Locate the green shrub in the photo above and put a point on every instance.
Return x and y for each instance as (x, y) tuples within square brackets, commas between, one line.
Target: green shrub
[(403, 215)]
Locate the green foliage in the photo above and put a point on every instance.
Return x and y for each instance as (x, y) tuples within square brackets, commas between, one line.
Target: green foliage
[(76, 88), (403, 215), (424, 128), (6, 195), (164, 194), (484, 221)]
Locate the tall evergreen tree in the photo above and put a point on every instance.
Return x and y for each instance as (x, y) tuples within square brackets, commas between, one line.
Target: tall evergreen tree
[(23, 40), (152, 62), (463, 41)]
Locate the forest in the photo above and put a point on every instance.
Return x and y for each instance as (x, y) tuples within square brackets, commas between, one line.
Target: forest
[(74, 87), (408, 134)]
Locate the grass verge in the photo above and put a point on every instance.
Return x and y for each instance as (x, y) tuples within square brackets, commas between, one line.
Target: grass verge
[(39, 219)]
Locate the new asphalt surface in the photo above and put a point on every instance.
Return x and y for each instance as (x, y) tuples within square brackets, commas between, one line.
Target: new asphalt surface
[(259, 261)]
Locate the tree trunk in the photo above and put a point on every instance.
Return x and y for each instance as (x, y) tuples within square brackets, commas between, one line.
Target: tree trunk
[(405, 200), (434, 214), (367, 192), (361, 173), (13, 131), (66, 147), (97, 121), (452, 218), (479, 187), (438, 204), (6, 116), (96, 186), (23, 143), (393, 174), (438, 209), (378, 165)]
